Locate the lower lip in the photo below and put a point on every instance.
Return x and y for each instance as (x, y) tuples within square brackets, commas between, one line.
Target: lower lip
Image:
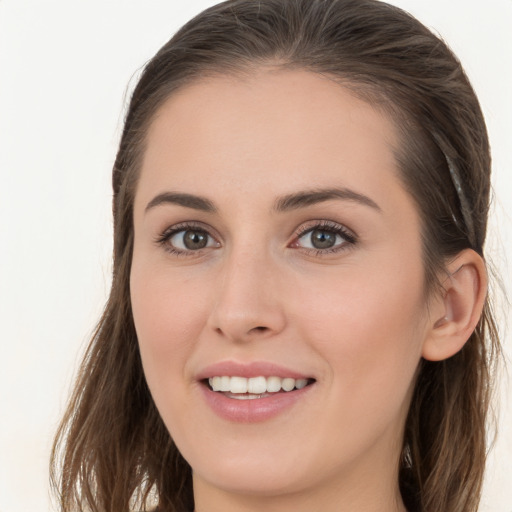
[(255, 410)]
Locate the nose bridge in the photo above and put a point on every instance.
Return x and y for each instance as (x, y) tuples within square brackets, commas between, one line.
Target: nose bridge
[(247, 301)]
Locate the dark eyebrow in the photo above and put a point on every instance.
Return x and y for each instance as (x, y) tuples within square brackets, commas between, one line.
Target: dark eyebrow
[(310, 197), (282, 204), (187, 200)]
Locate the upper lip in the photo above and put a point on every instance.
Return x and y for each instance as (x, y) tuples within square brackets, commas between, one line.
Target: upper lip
[(248, 370)]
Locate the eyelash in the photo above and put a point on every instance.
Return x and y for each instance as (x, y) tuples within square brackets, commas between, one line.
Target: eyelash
[(166, 236), (349, 238)]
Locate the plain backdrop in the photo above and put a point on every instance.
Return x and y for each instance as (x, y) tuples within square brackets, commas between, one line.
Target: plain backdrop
[(64, 70)]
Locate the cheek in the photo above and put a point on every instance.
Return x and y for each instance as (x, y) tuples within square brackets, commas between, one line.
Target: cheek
[(169, 315), (369, 325)]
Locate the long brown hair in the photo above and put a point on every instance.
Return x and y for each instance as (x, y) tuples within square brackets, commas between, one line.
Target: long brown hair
[(112, 451)]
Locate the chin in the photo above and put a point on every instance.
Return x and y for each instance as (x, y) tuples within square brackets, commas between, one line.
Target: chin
[(255, 479)]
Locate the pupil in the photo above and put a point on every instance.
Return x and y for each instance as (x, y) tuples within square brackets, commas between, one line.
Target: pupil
[(195, 239), (322, 239)]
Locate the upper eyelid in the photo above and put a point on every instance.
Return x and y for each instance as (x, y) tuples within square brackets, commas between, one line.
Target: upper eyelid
[(188, 225), (308, 226)]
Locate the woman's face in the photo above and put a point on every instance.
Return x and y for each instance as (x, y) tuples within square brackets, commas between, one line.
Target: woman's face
[(275, 247)]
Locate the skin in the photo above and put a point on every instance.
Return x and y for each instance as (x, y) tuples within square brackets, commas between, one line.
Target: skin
[(355, 319)]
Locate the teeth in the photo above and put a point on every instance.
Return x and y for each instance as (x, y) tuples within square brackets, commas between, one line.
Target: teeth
[(225, 384), (245, 396), (301, 383), (288, 384), (238, 385), (215, 382), (273, 384), (255, 385)]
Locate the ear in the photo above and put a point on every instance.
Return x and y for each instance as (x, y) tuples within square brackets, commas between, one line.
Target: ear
[(455, 312)]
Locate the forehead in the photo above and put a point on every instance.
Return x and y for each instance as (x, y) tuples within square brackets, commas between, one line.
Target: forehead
[(272, 127)]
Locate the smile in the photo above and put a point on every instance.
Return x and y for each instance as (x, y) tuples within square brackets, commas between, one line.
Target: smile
[(253, 392), (243, 388)]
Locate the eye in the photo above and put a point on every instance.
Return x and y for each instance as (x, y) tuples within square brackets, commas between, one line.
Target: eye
[(324, 237), (320, 239), (185, 239), (190, 240)]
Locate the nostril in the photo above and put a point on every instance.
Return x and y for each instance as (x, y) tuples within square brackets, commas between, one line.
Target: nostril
[(259, 328)]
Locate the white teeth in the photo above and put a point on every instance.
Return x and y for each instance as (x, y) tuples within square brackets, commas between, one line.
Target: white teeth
[(273, 384), (225, 383), (288, 384), (301, 383), (245, 396), (215, 382), (238, 385), (257, 385), (254, 386)]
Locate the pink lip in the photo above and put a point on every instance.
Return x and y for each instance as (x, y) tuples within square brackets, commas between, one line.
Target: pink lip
[(256, 410), (254, 369)]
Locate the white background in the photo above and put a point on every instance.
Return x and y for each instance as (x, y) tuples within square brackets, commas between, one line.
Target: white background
[(64, 69)]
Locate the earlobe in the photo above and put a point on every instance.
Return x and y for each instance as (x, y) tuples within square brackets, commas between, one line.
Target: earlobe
[(458, 310)]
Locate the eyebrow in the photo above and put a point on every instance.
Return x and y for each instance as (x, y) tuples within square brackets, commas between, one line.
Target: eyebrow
[(186, 200), (311, 197), (282, 204)]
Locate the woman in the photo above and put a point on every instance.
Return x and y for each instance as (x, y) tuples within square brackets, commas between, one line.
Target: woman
[(298, 317)]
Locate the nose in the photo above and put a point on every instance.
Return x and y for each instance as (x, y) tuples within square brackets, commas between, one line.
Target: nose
[(249, 302)]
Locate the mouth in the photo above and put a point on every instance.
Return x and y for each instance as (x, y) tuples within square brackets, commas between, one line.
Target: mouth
[(253, 392), (243, 388)]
